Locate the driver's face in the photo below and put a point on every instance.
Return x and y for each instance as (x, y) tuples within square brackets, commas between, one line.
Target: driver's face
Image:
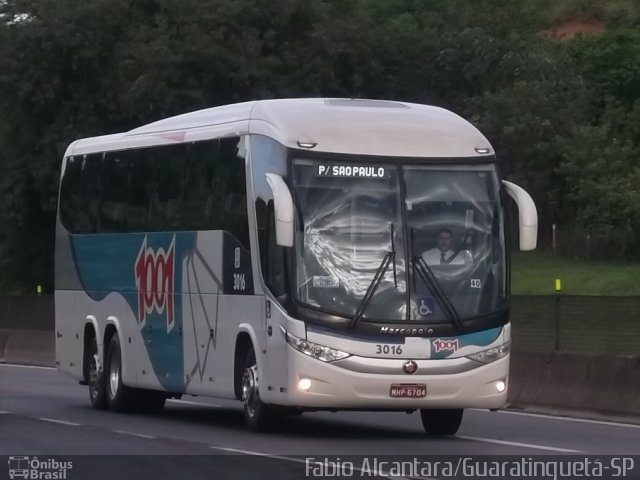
[(444, 241)]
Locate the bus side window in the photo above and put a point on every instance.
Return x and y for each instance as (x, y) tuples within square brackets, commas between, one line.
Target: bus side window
[(80, 194), (114, 208), (261, 223), (197, 186), (268, 156), (276, 255), (228, 191), (271, 254)]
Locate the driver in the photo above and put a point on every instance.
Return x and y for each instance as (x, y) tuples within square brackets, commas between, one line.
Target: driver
[(443, 254)]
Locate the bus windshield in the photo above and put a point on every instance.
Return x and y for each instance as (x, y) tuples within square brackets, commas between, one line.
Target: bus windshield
[(441, 224)]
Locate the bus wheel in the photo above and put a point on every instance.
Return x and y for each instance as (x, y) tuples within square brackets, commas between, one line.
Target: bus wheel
[(258, 416), (119, 397), (96, 378), (441, 422)]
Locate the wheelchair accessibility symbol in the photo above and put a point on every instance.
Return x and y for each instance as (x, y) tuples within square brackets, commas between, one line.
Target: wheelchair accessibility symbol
[(427, 306)]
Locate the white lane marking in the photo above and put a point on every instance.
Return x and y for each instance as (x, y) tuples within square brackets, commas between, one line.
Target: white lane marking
[(518, 444), (571, 419), (188, 402), (258, 454), (62, 422), (141, 435), (26, 366), (304, 462), (3, 411)]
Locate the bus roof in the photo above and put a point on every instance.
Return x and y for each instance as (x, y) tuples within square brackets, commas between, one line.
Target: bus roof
[(350, 126)]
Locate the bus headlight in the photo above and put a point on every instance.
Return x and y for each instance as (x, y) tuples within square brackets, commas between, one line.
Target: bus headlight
[(491, 354), (314, 350)]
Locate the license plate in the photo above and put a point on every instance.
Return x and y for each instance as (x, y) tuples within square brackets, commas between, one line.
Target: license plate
[(408, 390)]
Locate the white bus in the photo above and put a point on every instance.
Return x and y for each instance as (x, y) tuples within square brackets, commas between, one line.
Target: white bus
[(281, 252)]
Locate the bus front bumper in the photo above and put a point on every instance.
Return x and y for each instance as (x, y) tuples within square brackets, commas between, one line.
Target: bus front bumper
[(450, 383)]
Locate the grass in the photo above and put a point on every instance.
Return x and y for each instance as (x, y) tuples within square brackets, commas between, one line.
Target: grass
[(534, 273)]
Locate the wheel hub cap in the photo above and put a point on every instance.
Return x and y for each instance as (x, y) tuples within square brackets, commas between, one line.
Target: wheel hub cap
[(249, 385), (114, 376)]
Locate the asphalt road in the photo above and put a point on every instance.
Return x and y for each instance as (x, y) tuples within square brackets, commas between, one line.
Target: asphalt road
[(46, 414)]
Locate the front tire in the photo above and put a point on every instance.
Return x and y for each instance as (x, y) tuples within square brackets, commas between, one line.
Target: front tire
[(441, 422), (120, 398), (258, 416)]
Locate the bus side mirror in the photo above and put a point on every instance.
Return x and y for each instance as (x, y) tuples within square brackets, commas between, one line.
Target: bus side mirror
[(527, 215), (283, 209)]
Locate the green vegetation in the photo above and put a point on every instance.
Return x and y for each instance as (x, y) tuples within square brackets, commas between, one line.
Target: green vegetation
[(562, 113), (554, 12), (535, 273)]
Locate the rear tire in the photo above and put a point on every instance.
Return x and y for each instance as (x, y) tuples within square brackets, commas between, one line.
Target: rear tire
[(441, 422), (120, 398), (97, 393), (258, 416)]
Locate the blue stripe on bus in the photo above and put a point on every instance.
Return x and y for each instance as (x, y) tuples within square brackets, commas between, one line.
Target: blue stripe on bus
[(107, 264)]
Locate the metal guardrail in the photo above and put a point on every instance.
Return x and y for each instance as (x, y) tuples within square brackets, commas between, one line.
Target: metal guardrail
[(27, 312), (576, 324)]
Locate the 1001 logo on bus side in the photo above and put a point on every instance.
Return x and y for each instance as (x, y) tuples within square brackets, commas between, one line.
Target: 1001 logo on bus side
[(154, 271)]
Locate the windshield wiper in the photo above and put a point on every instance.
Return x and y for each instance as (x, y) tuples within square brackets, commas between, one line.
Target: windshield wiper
[(377, 278), (393, 250), (431, 281), (373, 286)]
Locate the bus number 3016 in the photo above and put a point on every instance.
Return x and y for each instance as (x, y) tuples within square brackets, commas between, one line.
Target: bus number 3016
[(239, 282), (389, 349)]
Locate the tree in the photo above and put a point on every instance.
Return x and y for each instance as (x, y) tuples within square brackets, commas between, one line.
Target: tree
[(73, 69)]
